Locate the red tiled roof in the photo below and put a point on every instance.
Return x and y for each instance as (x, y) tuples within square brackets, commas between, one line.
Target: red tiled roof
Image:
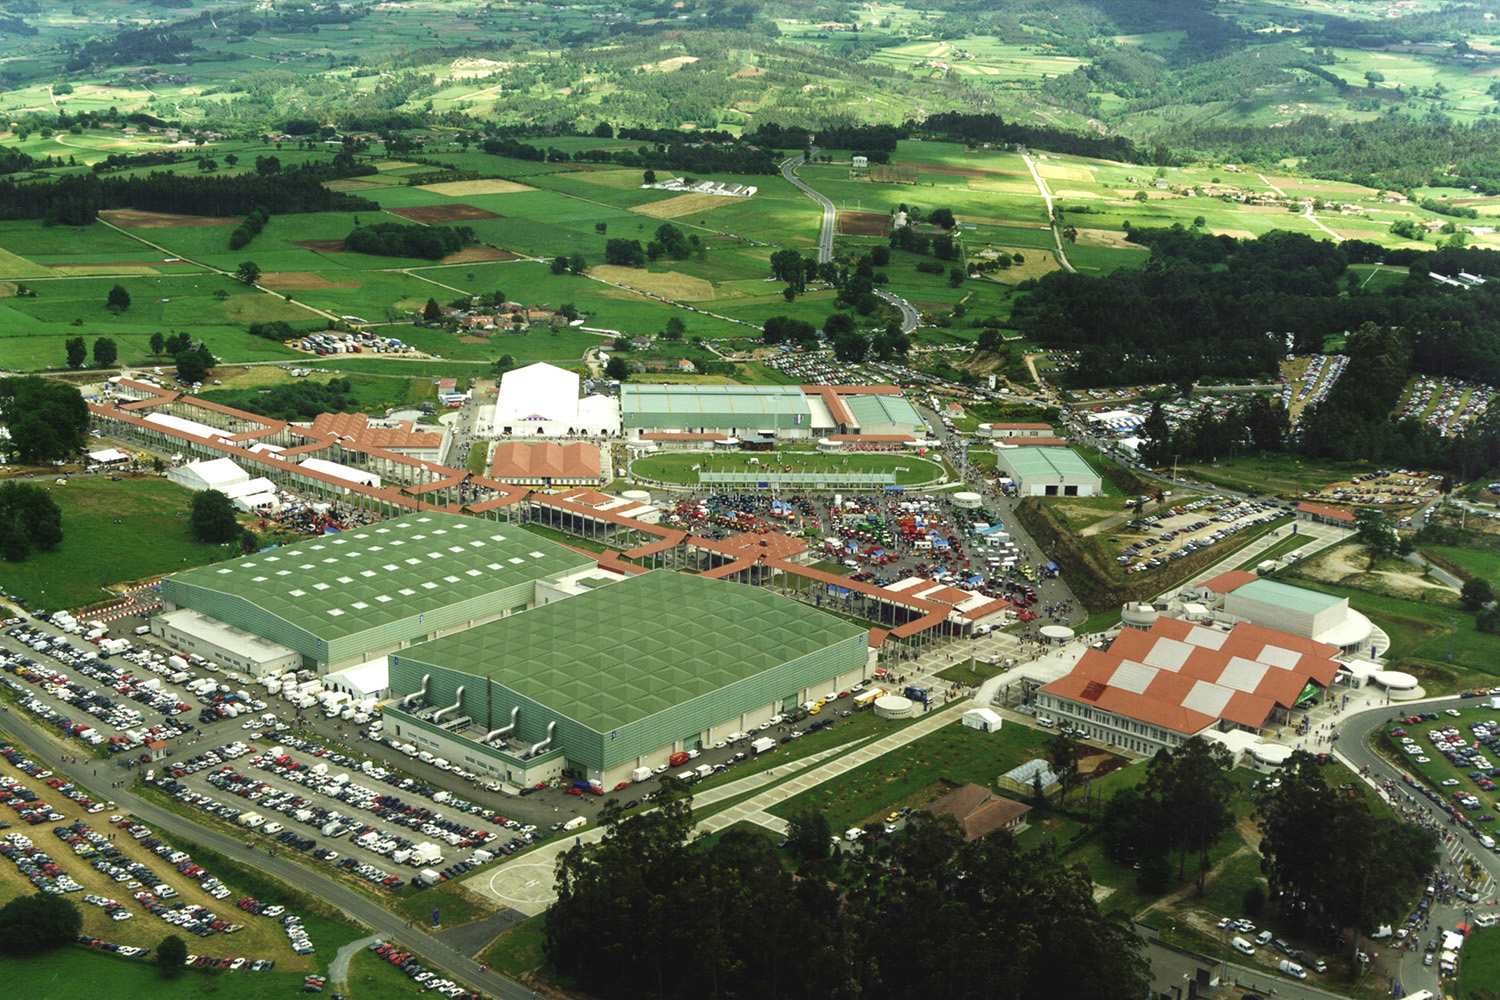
[(356, 427), (1318, 510), (1185, 677), (515, 460), (978, 810), (1225, 582)]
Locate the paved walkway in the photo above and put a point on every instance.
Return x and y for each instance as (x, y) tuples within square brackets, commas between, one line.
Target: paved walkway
[(338, 969)]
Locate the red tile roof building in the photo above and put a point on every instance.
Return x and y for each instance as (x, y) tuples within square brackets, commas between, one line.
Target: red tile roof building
[(546, 464), (1324, 515), (1157, 688), (979, 811)]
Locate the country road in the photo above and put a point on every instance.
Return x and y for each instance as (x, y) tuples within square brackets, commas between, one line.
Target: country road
[(910, 317), (1041, 185), (825, 234)]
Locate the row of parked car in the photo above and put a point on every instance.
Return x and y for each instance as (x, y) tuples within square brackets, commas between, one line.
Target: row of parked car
[(1289, 965), (419, 974)]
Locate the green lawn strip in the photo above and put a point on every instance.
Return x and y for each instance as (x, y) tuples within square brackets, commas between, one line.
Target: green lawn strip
[(113, 532), (1099, 621), (57, 975), (1291, 543), (564, 538), (479, 456), (395, 366), (1475, 563), (908, 775), (517, 952), (973, 672), (455, 907), (1278, 475)]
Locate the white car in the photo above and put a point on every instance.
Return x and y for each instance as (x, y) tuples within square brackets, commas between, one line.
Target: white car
[(1449, 782), (1454, 712)]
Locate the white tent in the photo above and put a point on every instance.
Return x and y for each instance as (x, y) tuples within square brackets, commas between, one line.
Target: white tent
[(343, 472), (214, 474), (108, 456), (982, 719), (258, 503), (542, 399)]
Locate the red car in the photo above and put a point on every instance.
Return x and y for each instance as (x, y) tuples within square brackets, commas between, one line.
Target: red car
[(678, 759), (575, 791), (622, 786)]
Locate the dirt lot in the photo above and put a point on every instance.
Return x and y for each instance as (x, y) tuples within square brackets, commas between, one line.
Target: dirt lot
[(262, 937), (129, 218), (429, 214), (671, 284), (684, 204), (863, 224), (1348, 565), (461, 189), (281, 281), (470, 255), (893, 173), (321, 246), (1106, 238)]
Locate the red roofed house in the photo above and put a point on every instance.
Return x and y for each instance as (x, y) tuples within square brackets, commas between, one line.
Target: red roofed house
[(1156, 689), (979, 811), (1218, 586), (1320, 514)]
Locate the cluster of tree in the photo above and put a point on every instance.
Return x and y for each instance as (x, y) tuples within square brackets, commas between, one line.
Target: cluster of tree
[(1257, 423), (29, 519), (794, 269), (194, 363), (942, 246), (212, 518), (75, 200), (299, 400), (48, 421), (669, 241), (123, 161), (1191, 785), (38, 923), (624, 253), (250, 228), (786, 330), (1024, 917), (1317, 859), (276, 329), (397, 239)]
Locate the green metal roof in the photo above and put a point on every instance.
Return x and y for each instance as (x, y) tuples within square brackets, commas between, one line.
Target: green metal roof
[(622, 653), (1286, 596), (882, 409), (696, 405), (341, 584), (1045, 463)]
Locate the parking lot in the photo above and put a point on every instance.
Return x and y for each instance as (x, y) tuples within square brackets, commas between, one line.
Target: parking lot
[(1457, 752), (1172, 533)]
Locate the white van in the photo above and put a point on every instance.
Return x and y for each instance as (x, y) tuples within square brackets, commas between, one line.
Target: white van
[(1242, 946), (853, 833), (1263, 938), (1045, 721), (1292, 969), (424, 757)]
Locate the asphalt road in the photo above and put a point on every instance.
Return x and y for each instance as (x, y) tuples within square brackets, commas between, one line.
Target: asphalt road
[(1354, 748), (435, 955), (825, 234)]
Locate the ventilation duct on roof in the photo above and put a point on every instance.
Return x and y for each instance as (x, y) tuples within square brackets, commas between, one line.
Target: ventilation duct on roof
[(458, 699), (421, 693), (503, 730), (551, 728)]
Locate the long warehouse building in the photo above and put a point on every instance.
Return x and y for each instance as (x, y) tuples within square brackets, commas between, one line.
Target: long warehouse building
[(341, 599), (618, 678)]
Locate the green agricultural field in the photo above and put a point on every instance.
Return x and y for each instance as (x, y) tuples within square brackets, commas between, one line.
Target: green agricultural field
[(113, 533), (1485, 565), (679, 467)]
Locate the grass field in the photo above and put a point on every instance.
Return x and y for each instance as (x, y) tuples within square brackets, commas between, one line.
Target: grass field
[(1480, 967), (1480, 564), (680, 468), (112, 533)]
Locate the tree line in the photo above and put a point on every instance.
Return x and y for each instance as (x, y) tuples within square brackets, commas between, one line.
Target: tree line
[(397, 239), (76, 200), (649, 913)]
